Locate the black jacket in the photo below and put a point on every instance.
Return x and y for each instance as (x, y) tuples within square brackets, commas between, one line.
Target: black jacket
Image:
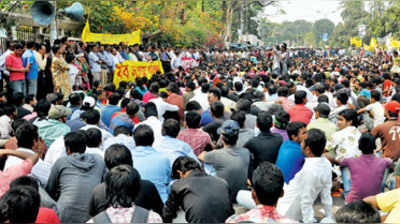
[(264, 147), (205, 199)]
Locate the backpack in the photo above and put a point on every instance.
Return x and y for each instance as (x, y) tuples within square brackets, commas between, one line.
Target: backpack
[(140, 215)]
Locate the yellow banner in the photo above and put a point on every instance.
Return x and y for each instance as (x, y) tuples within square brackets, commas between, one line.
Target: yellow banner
[(105, 38), (130, 70), (356, 42), (395, 43)]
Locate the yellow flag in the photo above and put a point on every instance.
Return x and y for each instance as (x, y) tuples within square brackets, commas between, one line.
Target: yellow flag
[(355, 41), (395, 43), (86, 30), (373, 44)]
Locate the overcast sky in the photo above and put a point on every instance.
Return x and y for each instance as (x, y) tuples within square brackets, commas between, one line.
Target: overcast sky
[(310, 10)]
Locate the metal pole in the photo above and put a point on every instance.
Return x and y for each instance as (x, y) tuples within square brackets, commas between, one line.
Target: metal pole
[(53, 26)]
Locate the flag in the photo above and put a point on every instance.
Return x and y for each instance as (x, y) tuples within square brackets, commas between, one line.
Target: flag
[(355, 41)]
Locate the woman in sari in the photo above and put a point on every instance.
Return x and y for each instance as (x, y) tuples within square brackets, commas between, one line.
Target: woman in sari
[(60, 68)]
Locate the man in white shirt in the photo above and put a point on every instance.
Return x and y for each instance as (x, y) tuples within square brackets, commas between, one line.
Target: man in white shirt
[(10, 112), (29, 141), (92, 119), (93, 142), (163, 106), (151, 115), (375, 108), (122, 136), (95, 63), (201, 96), (3, 69), (312, 181)]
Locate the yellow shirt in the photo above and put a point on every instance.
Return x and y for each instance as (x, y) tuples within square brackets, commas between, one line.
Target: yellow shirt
[(390, 202)]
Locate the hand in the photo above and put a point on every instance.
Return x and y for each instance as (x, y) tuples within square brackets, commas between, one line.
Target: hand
[(42, 148)]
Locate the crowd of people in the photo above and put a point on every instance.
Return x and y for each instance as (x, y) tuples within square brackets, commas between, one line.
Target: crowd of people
[(248, 135)]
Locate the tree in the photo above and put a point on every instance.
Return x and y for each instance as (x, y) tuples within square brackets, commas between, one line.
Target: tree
[(321, 27)]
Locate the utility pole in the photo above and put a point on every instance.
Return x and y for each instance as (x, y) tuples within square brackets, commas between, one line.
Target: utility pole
[(53, 26)]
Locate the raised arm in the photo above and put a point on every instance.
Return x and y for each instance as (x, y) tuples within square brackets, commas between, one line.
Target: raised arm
[(33, 157)]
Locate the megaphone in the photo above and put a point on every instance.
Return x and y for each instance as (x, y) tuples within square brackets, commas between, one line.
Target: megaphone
[(75, 11), (43, 12)]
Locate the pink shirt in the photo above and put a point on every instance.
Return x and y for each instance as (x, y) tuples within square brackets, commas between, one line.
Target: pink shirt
[(148, 96), (12, 173), (300, 113), (196, 138), (15, 62)]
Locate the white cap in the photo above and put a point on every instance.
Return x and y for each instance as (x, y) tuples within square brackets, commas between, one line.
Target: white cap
[(90, 101)]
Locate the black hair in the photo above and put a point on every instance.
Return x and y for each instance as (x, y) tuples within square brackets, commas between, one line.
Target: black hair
[(122, 130), (116, 155), (93, 137), (357, 212), (282, 119), (29, 98), (316, 141), (26, 181), (299, 97), (122, 186), (42, 108), (18, 99), (76, 141), (20, 205), (240, 117), (18, 46), (184, 164), (69, 58), (9, 109), (75, 99), (205, 87), (56, 48), (171, 128), (154, 88), (244, 105), (350, 115), (342, 97), (294, 128), (193, 106), (267, 182), (150, 109), (366, 143), (26, 134), (143, 135), (191, 85), (238, 86), (125, 102), (217, 109), (376, 95), (224, 91), (323, 99), (92, 117), (114, 99), (216, 92), (193, 119), (264, 121), (283, 91), (132, 108)]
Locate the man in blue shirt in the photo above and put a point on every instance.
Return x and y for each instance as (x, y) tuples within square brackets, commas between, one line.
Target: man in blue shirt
[(290, 157), (28, 58), (110, 109), (152, 165), (172, 146)]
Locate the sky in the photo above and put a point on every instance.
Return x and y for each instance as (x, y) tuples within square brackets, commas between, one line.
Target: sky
[(310, 10)]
